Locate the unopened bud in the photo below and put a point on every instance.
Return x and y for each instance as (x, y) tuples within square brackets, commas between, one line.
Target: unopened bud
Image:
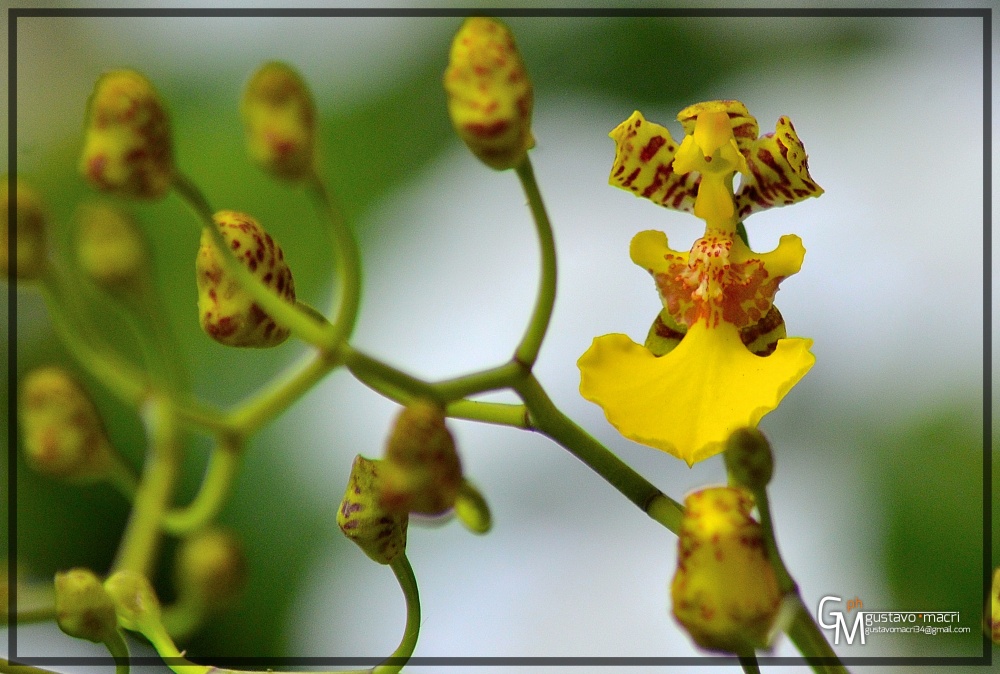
[(63, 433), (211, 567), (135, 601), (127, 149), (472, 510), (725, 592), (421, 472), (748, 458), (280, 120), (381, 533), (84, 609), (111, 249), (32, 256), (228, 313), (489, 93)]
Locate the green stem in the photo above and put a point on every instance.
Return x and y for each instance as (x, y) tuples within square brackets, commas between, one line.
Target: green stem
[(223, 464), (527, 350), (495, 378), (117, 375), (302, 324), (282, 392), (119, 651), (348, 259), (373, 372), (141, 539), (8, 667), (408, 583), (121, 476), (36, 602), (807, 637), (749, 663), (502, 414), (803, 632), (547, 418)]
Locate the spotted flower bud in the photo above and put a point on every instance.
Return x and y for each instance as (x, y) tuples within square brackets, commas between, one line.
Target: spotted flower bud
[(725, 592), (29, 231), (63, 433), (127, 149), (229, 314), (381, 533), (84, 609), (280, 120), (135, 601), (211, 567), (421, 472), (748, 458), (489, 94), (111, 248)]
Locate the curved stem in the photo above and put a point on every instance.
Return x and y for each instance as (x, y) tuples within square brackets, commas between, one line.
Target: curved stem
[(119, 651), (302, 324), (268, 403), (527, 350), (547, 418), (408, 583), (348, 259), (492, 379), (140, 542), (373, 372), (122, 378), (222, 467)]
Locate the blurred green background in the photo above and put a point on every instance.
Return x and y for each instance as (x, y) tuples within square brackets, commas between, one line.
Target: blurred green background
[(879, 451)]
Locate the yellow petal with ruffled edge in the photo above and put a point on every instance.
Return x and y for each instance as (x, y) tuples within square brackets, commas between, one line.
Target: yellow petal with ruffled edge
[(779, 172), (644, 157), (689, 401)]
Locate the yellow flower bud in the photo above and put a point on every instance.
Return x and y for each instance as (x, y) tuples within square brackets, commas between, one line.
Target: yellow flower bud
[(489, 93), (280, 120), (111, 249), (211, 567), (127, 149), (381, 533), (725, 592), (63, 433), (472, 510), (748, 457), (32, 256), (84, 609), (421, 472), (229, 314), (135, 601)]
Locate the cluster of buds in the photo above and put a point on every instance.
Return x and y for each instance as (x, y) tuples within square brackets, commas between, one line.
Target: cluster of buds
[(63, 433), (489, 93), (280, 120), (725, 592), (31, 254), (228, 313), (127, 149)]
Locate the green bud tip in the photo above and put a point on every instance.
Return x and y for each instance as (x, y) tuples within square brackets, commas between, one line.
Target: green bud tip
[(749, 459), (135, 602), (211, 567), (111, 248)]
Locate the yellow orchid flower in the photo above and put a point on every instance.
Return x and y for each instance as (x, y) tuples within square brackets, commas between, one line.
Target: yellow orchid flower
[(716, 358)]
